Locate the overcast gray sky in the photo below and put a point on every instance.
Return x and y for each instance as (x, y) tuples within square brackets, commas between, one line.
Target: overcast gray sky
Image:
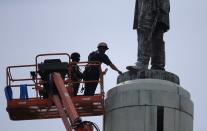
[(30, 27)]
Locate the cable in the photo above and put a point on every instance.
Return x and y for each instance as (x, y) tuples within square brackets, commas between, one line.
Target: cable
[(93, 124), (89, 122)]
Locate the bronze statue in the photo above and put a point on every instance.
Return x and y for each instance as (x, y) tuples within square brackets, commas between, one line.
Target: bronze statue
[(151, 20)]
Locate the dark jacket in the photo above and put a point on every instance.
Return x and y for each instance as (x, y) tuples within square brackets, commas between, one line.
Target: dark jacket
[(77, 75), (93, 72)]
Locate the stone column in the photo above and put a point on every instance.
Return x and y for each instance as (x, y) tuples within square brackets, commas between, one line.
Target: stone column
[(149, 100)]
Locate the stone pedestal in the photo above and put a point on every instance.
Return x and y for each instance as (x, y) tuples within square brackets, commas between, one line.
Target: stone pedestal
[(148, 74), (148, 101)]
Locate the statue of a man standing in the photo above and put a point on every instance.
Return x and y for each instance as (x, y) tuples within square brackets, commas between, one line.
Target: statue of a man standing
[(151, 21)]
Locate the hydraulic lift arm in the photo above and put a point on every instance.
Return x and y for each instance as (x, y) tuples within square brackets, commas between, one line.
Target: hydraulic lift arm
[(74, 121)]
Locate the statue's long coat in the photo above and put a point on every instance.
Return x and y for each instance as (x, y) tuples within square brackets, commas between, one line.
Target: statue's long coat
[(146, 11)]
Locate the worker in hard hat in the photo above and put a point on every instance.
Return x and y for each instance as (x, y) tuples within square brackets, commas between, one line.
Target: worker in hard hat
[(92, 73), (76, 74)]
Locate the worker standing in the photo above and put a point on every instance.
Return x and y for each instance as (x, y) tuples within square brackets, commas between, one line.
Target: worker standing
[(92, 72), (77, 75)]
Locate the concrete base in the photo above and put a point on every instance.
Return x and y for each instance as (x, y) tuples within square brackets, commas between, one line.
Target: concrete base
[(148, 105)]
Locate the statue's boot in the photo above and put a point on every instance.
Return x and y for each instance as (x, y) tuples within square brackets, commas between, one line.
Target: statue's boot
[(137, 67)]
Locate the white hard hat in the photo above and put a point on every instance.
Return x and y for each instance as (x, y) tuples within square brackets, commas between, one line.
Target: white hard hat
[(103, 44)]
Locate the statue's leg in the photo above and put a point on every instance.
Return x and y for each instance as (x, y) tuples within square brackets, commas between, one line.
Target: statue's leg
[(158, 50), (146, 20), (144, 48)]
